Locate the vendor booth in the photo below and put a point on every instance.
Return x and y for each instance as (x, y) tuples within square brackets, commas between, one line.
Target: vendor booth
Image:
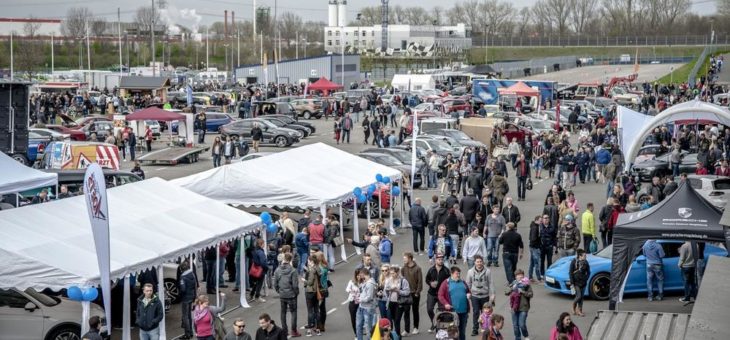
[(518, 90), (324, 85), (151, 222), (684, 215), (314, 176), (153, 86)]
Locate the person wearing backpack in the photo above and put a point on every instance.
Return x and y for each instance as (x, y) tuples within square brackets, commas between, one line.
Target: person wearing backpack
[(386, 248), (205, 316), (520, 293)]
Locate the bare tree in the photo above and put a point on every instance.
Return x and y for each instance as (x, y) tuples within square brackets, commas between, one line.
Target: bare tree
[(559, 11), (581, 13), (98, 26), (498, 15), (145, 17), (289, 24), (75, 23), (523, 22), (30, 50), (456, 14), (437, 14)]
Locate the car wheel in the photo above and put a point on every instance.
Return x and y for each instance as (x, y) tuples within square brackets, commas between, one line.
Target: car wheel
[(307, 115), (600, 286), (172, 290), (21, 159), (280, 141), (373, 207), (68, 332)]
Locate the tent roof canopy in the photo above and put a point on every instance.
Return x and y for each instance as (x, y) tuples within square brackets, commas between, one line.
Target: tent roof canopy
[(518, 89), (155, 113), (17, 177), (151, 222), (308, 176), (684, 215), (324, 84)]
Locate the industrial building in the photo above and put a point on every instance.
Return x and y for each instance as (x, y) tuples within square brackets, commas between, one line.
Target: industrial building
[(399, 37), (303, 69)]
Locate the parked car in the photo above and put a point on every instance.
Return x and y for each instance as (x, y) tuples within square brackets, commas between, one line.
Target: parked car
[(715, 189), (308, 108), (37, 145), (72, 133), (403, 155), (537, 126), (393, 162), (100, 128), (512, 130), (280, 123), (30, 314), (290, 120), (599, 280), (50, 133), (458, 135), (648, 152), (659, 166), (438, 146), (272, 134), (273, 108)]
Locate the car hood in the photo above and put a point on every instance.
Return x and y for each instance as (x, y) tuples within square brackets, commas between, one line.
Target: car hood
[(649, 163), (470, 142), (286, 130), (561, 267)]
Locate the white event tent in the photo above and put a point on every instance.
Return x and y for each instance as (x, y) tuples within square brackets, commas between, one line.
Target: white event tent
[(310, 176), (151, 222), (17, 177)]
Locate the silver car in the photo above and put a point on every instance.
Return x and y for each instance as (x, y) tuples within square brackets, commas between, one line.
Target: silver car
[(715, 189), (30, 315)]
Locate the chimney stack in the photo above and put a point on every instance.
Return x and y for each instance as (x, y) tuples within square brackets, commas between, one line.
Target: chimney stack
[(225, 25)]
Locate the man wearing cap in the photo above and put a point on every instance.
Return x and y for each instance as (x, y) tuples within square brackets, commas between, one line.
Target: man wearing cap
[(386, 330), (455, 295), (568, 238)]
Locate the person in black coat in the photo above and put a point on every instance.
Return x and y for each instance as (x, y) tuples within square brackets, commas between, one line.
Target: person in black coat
[(418, 219), (188, 285), (469, 206)]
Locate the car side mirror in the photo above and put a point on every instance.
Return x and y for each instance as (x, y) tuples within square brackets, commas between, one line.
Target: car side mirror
[(30, 307)]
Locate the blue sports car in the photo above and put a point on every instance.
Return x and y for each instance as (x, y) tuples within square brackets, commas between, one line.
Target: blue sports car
[(599, 281)]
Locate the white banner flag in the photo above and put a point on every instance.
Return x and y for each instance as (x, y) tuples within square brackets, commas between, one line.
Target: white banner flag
[(96, 205)]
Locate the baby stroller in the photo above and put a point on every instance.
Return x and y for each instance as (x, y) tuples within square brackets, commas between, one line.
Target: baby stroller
[(447, 325)]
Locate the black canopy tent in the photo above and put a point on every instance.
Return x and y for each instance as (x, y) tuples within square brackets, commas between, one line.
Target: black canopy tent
[(684, 215)]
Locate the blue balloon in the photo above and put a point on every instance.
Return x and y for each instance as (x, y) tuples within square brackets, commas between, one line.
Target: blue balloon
[(357, 191), (379, 177), (396, 191), (74, 293), (90, 294), (396, 222), (361, 198), (272, 228), (386, 180), (371, 188), (265, 217)]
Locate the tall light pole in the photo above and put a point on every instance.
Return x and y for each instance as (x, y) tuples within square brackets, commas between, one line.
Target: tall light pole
[(359, 33), (435, 48), (342, 60), (52, 61), (152, 33), (486, 45)]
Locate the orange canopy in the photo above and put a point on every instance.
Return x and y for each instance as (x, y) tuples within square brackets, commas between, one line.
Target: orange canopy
[(518, 89)]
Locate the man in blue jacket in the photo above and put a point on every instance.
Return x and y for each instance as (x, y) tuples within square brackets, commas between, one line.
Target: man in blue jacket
[(654, 268)]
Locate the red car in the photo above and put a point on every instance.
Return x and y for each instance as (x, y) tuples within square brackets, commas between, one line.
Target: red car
[(77, 135), (511, 130), (456, 104)]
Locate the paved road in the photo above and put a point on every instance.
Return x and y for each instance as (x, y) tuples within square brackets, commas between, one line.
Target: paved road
[(724, 76), (545, 306), (603, 74)]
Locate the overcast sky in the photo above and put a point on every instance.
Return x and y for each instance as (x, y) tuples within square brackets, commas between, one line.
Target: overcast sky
[(208, 11)]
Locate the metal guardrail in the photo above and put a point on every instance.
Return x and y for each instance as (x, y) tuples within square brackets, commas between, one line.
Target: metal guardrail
[(696, 69), (667, 40)]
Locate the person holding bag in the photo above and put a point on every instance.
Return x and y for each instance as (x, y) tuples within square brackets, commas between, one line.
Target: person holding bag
[(398, 294), (258, 270), (313, 295), (205, 317)]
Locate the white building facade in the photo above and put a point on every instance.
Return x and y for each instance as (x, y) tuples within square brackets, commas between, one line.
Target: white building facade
[(337, 35)]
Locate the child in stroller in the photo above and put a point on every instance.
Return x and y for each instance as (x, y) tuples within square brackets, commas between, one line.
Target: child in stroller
[(447, 325)]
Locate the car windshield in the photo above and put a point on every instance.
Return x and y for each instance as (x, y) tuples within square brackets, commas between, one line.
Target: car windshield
[(268, 123), (388, 160), (721, 184), (440, 146), (458, 135), (619, 90), (605, 253), (538, 124), (42, 298), (276, 122), (421, 107)]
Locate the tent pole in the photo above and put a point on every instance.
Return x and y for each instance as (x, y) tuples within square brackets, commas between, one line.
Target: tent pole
[(356, 226), (343, 253), (161, 295), (126, 327), (402, 200), (243, 272), (390, 208), (367, 207), (380, 205), (217, 274)]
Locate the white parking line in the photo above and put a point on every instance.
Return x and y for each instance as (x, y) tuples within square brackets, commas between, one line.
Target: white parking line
[(159, 169), (345, 302), (331, 311)]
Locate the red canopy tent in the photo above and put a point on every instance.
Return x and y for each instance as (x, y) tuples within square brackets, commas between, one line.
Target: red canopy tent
[(154, 113), (520, 89), (324, 85)]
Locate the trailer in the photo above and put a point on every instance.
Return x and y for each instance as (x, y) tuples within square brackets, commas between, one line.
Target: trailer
[(173, 155)]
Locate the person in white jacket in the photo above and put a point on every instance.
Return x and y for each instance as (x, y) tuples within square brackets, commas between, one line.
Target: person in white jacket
[(473, 245)]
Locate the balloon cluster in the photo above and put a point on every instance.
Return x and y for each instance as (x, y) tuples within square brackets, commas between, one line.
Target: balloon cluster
[(359, 195), (87, 294), (268, 222)]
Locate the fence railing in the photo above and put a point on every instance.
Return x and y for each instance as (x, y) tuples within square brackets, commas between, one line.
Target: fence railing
[(696, 69), (667, 40)]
